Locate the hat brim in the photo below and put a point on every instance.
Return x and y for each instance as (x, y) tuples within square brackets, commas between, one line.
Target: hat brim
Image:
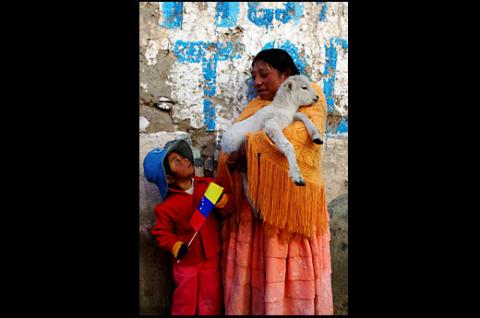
[(182, 147)]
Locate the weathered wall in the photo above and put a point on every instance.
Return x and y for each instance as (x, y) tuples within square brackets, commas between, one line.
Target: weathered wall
[(194, 80), (338, 211)]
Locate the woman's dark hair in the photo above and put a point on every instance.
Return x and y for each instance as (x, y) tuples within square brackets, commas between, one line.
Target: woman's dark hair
[(279, 59)]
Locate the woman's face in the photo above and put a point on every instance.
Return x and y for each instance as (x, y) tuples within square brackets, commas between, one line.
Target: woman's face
[(266, 79)]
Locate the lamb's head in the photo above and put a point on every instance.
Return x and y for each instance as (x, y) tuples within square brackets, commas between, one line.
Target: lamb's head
[(298, 90)]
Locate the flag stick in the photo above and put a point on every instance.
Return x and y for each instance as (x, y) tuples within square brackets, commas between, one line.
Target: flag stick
[(188, 245)]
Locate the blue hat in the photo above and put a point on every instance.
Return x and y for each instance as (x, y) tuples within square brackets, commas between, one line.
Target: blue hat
[(153, 164)]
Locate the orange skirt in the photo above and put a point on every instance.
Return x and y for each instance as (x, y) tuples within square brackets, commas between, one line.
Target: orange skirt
[(265, 276)]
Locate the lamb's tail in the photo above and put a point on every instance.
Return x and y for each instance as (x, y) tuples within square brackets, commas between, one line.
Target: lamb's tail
[(245, 192)]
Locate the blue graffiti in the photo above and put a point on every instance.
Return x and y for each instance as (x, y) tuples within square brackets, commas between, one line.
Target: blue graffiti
[(293, 10), (293, 51), (330, 70), (209, 53), (209, 114), (172, 13), (196, 52), (323, 11), (342, 42), (298, 9), (227, 13), (263, 17), (329, 76), (342, 126)]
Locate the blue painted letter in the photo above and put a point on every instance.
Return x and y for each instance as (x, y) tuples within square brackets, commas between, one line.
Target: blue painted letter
[(195, 52), (330, 69), (172, 14), (264, 17), (227, 13), (323, 11)]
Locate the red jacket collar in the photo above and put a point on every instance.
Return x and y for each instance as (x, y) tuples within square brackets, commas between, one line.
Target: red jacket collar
[(196, 180)]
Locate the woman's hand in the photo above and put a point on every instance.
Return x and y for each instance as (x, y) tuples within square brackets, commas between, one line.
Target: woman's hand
[(238, 159)]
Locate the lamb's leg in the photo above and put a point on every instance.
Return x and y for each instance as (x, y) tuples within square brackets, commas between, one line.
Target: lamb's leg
[(311, 128), (274, 131)]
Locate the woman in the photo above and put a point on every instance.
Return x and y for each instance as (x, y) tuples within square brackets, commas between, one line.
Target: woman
[(276, 256)]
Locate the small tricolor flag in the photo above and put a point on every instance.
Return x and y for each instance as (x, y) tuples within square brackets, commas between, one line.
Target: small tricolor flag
[(211, 196)]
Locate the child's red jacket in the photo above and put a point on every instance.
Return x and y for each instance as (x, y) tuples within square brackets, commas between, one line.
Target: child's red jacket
[(172, 223)]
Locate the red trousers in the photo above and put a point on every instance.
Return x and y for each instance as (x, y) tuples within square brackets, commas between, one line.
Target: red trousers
[(198, 288)]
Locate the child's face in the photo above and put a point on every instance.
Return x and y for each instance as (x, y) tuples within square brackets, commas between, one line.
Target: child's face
[(180, 166)]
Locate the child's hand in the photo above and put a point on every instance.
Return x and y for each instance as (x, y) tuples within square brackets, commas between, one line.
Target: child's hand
[(222, 202), (179, 250), (183, 250)]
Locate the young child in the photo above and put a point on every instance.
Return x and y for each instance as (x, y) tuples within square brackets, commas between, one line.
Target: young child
[(196, 269)]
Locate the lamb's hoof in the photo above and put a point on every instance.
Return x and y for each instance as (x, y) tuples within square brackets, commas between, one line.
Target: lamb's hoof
[(296, 176), (318, 141), (300, 183)]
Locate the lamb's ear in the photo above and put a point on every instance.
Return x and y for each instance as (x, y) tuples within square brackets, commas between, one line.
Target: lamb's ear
[(288, 85)]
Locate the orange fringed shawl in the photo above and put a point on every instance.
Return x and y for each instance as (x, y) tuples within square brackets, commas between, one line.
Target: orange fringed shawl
[(296, 211)]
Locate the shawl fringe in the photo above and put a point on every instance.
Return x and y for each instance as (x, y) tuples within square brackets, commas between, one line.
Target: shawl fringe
[(297, 211)]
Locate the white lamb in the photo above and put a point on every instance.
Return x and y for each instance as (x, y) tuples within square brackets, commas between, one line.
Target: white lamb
[(294, 92)]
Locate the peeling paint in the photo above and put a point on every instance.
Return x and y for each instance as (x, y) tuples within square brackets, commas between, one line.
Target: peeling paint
[(213, 45), (152, 52), (227, 14), (200, 52), (330, 70), (342, 126), (172, 13), (323, 12), (264, 17)]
